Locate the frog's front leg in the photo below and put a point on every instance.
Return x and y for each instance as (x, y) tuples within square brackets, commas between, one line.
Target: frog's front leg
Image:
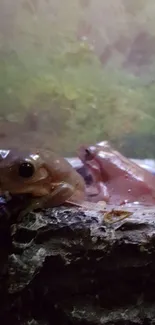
[(33, 204), (60, 193)]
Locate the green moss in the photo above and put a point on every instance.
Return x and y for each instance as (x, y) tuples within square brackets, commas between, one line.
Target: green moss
[(75, 96)]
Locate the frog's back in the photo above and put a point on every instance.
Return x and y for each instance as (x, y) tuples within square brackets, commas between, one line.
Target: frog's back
[(60, 169)]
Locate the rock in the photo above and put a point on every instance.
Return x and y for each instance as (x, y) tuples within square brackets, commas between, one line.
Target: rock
[(67, 266)]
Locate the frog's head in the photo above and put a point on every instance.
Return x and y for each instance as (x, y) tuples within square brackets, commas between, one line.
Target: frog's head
[(87, 153), (22, 172)]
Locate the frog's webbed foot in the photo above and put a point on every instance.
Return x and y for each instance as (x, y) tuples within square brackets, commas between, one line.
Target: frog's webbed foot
[(116, 215)]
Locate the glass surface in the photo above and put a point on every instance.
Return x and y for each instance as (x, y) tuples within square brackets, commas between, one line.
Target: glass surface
[(74, 72)]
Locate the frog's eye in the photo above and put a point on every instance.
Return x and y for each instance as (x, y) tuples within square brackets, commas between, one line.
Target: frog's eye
[(26, 170), (88, 154)]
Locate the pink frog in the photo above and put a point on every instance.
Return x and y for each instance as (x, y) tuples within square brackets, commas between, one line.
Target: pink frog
[(116, 179)]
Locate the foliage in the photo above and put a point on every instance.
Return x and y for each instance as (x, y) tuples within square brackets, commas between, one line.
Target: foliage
[(77, 99)]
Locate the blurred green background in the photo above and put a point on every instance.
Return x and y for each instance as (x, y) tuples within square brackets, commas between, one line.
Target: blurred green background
[(78, 71)]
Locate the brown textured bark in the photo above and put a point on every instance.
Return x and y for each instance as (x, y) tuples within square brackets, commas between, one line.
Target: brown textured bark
[(67, 266)]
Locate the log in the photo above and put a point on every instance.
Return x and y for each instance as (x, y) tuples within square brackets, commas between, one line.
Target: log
[(67, 266)]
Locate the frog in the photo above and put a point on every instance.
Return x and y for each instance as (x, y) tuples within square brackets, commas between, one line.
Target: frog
[(49, 179), (119, 181)]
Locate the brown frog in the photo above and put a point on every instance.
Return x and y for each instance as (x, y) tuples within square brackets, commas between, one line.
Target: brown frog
[(48, 178)]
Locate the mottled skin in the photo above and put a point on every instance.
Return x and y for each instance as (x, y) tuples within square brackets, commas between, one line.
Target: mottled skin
[(117, 179), (53, 182)]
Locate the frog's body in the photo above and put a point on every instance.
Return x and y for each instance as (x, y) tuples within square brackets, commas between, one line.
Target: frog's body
[(118, 179), (48, 178)]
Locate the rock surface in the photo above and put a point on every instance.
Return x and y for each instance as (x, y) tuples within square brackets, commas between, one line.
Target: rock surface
[(66, 266)]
